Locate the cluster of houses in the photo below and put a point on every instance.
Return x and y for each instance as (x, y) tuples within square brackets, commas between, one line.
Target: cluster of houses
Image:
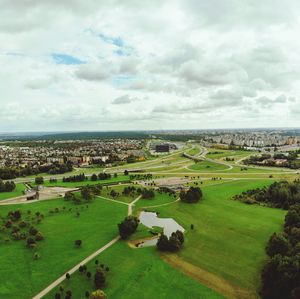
[(77, 152)]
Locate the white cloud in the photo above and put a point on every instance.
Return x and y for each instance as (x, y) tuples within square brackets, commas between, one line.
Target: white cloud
[(198, 63)]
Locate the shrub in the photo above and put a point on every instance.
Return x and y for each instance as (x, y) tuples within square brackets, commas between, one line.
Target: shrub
[(39, 236), (77, 243)]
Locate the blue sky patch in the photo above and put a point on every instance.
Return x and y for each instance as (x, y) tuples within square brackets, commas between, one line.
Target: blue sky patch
[(60, 58)]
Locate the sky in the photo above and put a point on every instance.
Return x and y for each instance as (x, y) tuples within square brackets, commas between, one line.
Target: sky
[(69, 65)]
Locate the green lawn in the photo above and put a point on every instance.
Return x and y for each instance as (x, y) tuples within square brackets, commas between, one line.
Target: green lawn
[(230, 237), (138, 273), (220, 154), (17, 192), (119, 189), (207, 166), (22, 277), (159, 198), (60, 183)]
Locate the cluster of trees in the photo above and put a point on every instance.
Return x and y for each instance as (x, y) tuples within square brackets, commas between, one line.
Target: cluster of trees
[(87, 193), (128, 226), (144, 177), (75, 178), (7, 173), (22, 228), (281, 194), (7, 186), (266, 159), (129, 190), (281, 274), (173, 244), (146, 193), (194, 194), (98, 278), (101, 176)]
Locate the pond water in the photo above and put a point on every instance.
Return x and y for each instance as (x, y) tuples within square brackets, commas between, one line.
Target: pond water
[(169, 225)]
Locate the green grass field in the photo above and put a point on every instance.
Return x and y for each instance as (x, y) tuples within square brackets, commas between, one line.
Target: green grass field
[(160, 198), (96, 226), (138, 273), (60, 183), (207, 166), (229, 237), (17, 192)]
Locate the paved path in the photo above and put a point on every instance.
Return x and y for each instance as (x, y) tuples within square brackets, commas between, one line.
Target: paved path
[(90, 257), (74, 269)]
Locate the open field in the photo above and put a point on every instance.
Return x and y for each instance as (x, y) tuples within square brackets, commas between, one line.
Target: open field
[(95, 226), (207, 166), (229, 236), (60, 183), (139, 273)]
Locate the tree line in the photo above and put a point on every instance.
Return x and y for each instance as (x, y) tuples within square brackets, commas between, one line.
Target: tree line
[(281, 195), (8, 173)]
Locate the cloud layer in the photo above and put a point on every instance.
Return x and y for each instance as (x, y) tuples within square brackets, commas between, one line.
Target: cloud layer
[(74, 65)]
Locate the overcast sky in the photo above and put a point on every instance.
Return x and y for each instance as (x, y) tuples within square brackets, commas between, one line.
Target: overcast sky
[(83, 65)]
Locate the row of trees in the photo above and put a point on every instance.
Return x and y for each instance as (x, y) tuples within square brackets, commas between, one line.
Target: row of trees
[(173, 244), (278, 195), (7, 186), (75, 178), (87, 194), (7, 173), (102, 176), (281, 274), (194, 194), (267, 160)]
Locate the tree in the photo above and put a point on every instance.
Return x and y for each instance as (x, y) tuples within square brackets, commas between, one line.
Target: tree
[(94, 177), (57, 296), (162, 243), (77, 243), (69, 196), (86, 193), (128, 226), (99, 278), (126, 172), (68, 276), (39, 180), (278, 244)]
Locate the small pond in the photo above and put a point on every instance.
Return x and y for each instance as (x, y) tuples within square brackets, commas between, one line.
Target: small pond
[(169, 225)]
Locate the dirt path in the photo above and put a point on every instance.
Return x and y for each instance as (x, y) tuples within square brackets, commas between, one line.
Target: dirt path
[(219, 284)]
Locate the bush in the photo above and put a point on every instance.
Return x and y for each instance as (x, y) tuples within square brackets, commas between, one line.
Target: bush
[(39, 236), (39, 180), (77, 243)]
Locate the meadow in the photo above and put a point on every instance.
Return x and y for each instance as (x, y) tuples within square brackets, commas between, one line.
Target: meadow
[(229, 237), (95, 226)]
